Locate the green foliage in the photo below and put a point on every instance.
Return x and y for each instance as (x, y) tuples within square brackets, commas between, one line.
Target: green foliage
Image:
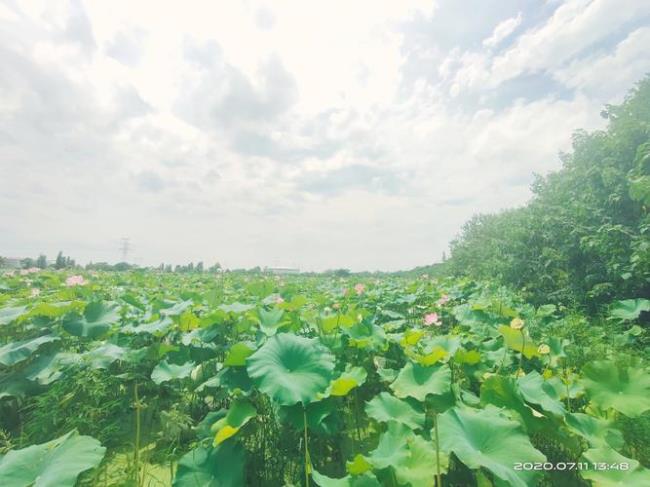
[(96, 320), (56, 463), (219, 382), (222, 466), (291, 369), (584, 238), (485, 438), (165, 372), (626, 390), (385, 407)]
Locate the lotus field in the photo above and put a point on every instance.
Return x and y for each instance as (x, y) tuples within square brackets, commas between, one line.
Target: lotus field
[(145, 378)]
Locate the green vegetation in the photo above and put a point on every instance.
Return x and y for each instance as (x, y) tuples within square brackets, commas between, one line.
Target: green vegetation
[(584, 239), (522, 360), (238, 380)]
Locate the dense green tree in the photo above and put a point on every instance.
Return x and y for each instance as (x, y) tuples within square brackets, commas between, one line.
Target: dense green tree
[(41, 262), (584, 237), (59, 263)]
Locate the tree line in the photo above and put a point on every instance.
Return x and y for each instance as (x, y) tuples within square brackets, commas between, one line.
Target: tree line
[(584, 238)]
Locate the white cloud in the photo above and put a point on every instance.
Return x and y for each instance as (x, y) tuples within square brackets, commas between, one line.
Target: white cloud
[(603, 74), (574, 27), (260, 133), (503, 30)]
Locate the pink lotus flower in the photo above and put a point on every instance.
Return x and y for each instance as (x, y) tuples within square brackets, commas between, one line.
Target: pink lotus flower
[(75, 281), (279, 300), (359, 288), (336, 306), (443, 299), (432, 319)]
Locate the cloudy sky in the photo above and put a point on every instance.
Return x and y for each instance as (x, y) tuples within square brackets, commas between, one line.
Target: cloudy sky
[(315, 134)]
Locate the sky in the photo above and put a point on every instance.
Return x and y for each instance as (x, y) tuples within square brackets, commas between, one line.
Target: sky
[(317, 135)]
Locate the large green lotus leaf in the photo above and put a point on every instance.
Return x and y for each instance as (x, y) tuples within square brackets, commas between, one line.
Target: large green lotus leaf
[(417, 381), (164, 371), (235, 379), (392, 448), (536, 390), (467, 357), (419, 467), (50, 310), (270, 320), (47, 369), (632, 476), (241, 411), (200, 337), (298, 301), (222, 466), (15, 352), (238, 354), (365, 480), (575, 389), (157, 328), (261, 287), (385, 407), (447, 343), (97, 319), (204, 428), (318, 414), (188, 321), (498, 357), (412, 458), (358, 465), (484, 438), (103, 356), (291, 369), (7, 315), (350, 378), (236, 308), (56, 463), (176, 309), (519, 341), (626, 390), (16, 386), (597, 431), (629, 309), (387, 375), (503, 392)]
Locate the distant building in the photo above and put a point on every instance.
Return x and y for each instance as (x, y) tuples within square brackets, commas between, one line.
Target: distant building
[(282, 270)]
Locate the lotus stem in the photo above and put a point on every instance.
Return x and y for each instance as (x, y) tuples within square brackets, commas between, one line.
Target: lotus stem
[(304, 417), (523, 347), (568, 393), (356, 414), (435, 429), (136, 453)]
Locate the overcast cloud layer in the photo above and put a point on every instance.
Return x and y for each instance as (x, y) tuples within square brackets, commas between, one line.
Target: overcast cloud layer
[(314, 134)]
